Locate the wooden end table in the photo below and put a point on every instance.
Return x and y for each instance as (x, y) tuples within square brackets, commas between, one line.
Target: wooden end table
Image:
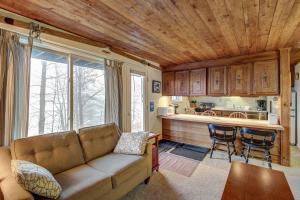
[(155, 152), (250, 182)]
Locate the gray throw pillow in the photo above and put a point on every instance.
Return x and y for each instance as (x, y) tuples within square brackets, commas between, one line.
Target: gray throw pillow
[(132, 143)]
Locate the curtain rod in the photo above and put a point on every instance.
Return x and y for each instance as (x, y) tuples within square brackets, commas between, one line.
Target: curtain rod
[(73, 37)]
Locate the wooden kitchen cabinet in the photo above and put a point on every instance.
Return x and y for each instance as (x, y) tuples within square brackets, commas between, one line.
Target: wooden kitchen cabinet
[(182, 80), (217, 81), (266, 78), (198, 82), (239, 79), (168, 85)]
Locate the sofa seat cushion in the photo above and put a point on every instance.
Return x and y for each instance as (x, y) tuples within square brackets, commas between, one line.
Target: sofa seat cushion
[(83, 182), (121, 167)]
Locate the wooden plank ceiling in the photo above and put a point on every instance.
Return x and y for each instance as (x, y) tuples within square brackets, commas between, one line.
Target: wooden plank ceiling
[(172, 32)]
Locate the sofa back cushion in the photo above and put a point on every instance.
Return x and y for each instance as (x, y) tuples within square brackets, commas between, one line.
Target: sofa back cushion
[(98, 141), (56, 152)]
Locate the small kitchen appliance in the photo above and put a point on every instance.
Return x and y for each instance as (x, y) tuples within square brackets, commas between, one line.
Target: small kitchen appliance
[(165, 111), (261, 105), (204, 106)]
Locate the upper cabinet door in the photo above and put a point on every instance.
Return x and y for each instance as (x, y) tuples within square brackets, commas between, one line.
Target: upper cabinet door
[(217, 81), (239, 79), (266, 80), (182, 83), (168, 84), (198, 82)]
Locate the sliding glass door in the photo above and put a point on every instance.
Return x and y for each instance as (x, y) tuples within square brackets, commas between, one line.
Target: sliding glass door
[(49, 87), (67, 92), (89, 93)]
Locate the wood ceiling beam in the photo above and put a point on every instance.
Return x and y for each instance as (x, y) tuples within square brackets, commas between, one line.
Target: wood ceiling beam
[(76, 38), (224, 61)]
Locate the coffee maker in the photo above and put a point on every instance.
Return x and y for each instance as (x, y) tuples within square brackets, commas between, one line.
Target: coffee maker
[(261, 105)]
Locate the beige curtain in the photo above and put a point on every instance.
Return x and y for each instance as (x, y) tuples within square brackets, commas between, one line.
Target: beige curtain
[(113, 92), (14, 86)]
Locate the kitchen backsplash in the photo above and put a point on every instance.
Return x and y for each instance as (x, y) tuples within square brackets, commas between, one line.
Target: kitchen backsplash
[(224, 102), (230, 101)]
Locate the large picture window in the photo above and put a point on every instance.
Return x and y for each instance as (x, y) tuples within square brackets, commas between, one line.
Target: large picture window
[(50, 91)]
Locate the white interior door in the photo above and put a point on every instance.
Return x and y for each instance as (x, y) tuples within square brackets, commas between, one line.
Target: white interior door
[(137, 102), (135, 99)]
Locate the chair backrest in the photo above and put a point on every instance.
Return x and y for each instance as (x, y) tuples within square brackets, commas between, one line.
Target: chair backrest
[(209, 113), (258, 135), (225, 130), (238, 115)]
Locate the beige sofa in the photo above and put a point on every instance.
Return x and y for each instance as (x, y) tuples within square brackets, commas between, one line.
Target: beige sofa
[(84, 164)]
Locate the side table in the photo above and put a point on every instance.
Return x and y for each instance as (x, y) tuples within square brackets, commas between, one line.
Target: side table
[(155, 154)]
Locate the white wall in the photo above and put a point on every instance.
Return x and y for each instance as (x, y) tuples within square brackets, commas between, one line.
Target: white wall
[(154, 121)]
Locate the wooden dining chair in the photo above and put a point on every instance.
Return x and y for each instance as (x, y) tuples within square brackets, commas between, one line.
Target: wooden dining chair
[(254, 139), (240, 115), (222, 134), (209, 113)]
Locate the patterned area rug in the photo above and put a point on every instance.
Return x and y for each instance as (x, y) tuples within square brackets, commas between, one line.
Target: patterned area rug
[(166, 145), (177, 164), (191, 151)]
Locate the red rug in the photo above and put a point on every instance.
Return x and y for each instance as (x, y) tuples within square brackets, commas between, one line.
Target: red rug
[(177, 164)]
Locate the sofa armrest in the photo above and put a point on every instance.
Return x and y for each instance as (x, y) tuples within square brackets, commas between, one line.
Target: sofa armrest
[(148, 149), (8, 185), (5, 158), (148, 156), (13, 191)]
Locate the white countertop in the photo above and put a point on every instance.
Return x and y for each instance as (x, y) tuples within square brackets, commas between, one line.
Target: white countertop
[(249, 123)]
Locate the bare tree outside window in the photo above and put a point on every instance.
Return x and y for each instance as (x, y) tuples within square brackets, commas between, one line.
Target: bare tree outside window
[(89, 93), (48, 105), (137, 103)]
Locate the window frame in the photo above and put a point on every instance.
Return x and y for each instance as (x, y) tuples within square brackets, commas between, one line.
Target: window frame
[(50, 50), (70, 62), (72, 58)]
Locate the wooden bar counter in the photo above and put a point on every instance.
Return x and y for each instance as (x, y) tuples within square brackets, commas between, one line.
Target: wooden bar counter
[(192, 129)]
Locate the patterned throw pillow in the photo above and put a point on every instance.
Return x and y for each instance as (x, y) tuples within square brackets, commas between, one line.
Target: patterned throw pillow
[(132, 143), (35, 179)]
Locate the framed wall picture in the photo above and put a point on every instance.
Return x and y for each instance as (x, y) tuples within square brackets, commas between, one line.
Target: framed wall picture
[(156, 86)]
